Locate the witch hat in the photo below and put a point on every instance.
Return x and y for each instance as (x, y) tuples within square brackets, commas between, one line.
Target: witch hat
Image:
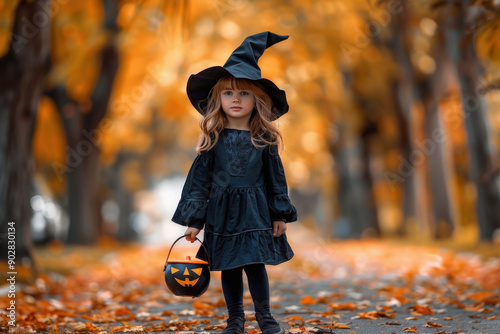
[(242, 64)]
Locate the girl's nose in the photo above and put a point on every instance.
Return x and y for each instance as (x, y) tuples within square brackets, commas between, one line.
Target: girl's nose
[(236, 97)]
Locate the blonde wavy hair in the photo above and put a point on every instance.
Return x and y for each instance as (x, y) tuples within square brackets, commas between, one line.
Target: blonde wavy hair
[(263, 132)]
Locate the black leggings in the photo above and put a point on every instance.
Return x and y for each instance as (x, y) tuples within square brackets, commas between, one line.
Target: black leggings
[(258, 283)]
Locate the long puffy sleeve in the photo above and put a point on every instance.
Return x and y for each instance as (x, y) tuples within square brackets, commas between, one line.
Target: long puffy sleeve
[(192, 207), (280, 206)]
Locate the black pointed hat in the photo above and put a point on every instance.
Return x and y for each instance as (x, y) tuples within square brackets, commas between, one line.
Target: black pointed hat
[(241, 64)]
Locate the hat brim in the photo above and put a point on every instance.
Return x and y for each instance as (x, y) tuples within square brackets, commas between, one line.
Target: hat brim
[(199, 86)]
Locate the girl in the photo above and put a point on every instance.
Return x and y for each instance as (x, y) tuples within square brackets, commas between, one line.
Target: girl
[(236, 189)]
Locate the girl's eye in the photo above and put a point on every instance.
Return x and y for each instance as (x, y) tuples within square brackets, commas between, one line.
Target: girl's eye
[(227, 92), (245, 93)]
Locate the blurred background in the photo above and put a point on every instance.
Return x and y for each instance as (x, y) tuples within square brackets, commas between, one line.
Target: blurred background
[(393, 129)]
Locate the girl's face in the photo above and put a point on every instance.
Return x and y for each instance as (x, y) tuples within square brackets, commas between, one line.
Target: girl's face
[(237, 104)]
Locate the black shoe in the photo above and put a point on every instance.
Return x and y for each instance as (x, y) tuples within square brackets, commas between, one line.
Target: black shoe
[(268, 325), (235, 325)]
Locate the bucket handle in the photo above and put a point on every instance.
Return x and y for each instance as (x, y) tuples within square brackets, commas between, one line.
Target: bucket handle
[(183, 236)]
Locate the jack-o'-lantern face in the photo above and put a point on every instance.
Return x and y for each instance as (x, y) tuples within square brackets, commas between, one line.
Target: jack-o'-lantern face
[(189, 276)]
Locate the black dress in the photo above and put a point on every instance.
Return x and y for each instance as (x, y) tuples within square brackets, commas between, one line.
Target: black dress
[(235, 191)]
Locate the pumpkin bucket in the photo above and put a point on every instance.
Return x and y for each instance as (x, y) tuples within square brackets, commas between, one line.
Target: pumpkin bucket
[(187, 277)]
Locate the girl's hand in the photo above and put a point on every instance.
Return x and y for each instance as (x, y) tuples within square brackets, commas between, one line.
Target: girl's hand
[(279, 227), (193, 232)]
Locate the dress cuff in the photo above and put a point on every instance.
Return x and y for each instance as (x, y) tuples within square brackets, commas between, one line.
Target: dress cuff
[(197, 224), (282, 209), (191, 213)]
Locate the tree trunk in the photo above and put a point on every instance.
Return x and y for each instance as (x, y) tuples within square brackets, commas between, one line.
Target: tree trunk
[(407, 89), (82, 199), (481, 153), (82, 160), (353, 193), (368, 133), (439, 179), (483, 160), (125, 231), (356, 191), (431, 90), (83, 133), (403, 94), (24, 68)]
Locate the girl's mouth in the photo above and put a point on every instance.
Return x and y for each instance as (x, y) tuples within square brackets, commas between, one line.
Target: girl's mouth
[(236, 108)]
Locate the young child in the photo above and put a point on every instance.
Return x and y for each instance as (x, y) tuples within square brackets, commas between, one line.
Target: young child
[(236, 188)]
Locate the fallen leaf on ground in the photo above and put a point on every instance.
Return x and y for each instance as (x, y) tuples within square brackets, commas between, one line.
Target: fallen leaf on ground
[(343, 306), (433, 324), (199, 305), (375, 315), (419, 309), (294, 320), (307, 300), (392, 323), (314, 321)]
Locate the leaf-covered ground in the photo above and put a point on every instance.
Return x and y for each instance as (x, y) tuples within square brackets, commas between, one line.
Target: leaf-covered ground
[(347, 287)]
